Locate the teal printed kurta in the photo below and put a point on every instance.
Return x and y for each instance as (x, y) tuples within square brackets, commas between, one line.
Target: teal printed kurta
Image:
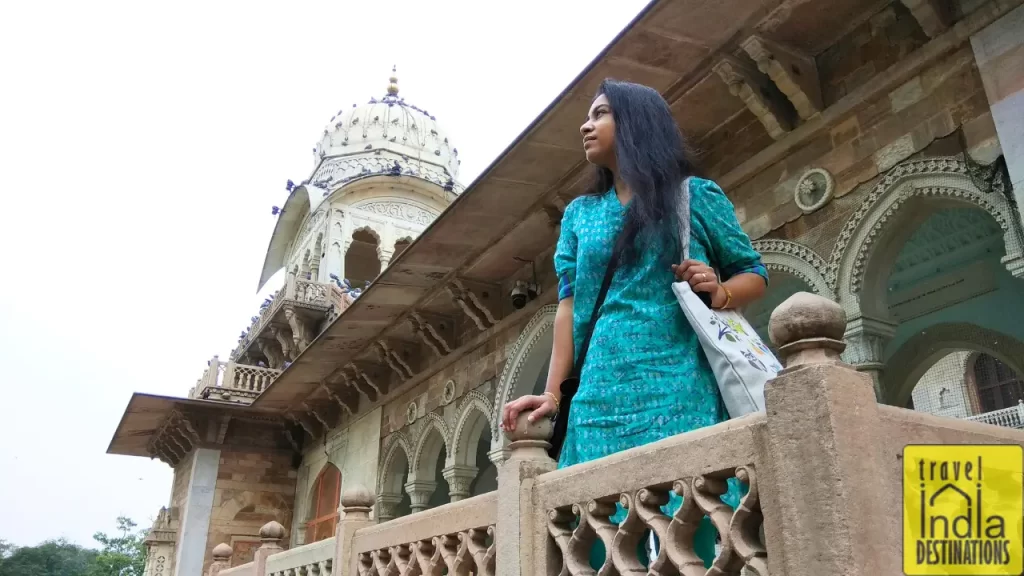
[(646, 376)]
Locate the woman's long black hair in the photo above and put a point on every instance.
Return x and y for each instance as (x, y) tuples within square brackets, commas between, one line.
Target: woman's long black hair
[(652, 158)]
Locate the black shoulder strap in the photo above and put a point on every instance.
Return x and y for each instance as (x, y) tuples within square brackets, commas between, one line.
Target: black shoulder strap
[(625, 235)]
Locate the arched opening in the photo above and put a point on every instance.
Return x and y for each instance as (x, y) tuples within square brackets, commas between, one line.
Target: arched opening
[(400, 246), (324, 500), (427, 486), (392, 499), (998, 386), (471, 447), (362, 264), (526, 369)]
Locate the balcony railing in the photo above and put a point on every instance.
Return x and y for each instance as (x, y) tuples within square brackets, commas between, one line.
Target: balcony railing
[(290, 318), (1012, 417), (818, 476), (232, 381)]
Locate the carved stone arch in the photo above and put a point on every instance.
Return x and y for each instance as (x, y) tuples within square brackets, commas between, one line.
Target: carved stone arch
[(369, 229), (424, 460), (906, 366), (870, 233), (474, 417), (389, 478), (529, 355), (796, 260)]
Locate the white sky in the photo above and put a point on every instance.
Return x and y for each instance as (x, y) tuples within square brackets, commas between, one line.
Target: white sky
[(142, 145)]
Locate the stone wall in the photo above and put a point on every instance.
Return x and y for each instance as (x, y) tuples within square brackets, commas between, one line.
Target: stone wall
[(179, 487), (933, 105), (252, 488)]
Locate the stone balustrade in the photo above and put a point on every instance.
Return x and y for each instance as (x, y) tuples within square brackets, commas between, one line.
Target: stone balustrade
[(813, 485), (232, 381), (1012, 417)]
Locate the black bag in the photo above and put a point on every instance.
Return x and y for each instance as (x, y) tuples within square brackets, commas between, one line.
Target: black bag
[(570, 385)]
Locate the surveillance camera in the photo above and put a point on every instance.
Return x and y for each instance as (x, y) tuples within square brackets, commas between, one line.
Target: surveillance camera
[(520, 294)]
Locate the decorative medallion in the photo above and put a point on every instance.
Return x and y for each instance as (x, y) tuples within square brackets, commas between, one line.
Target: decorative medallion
[(814, 190), (410, 413), (448, 394)]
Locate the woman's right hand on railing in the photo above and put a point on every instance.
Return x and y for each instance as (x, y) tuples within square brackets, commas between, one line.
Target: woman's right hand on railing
[(541, 406)]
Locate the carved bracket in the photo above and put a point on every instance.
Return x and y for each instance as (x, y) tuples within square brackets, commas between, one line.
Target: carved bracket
[(794, 73), (437, 332), (367, 380), (302, 333), (285, 340), (390, 356), (478, 301), (755, 90), (351, 406), (934, 16)]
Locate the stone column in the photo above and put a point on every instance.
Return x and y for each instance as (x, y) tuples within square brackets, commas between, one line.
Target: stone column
[(522, 544), (828, 499), (355, 514), (196, 512), (221, 559), (866, 339), (419, 493), (459, 479), (271, 535), (385, 507), (999, 51)]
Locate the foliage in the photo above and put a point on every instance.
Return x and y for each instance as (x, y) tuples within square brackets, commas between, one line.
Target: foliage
[(120, 555), (51, 558), (123, 555)]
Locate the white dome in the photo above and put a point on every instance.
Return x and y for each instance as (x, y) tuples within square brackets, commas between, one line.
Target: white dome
[(386, 136)]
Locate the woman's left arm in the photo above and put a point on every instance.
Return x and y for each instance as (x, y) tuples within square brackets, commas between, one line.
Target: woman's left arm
[(744, 277)]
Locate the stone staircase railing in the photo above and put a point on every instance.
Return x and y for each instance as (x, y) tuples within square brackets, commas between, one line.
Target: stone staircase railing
[(817, 476)]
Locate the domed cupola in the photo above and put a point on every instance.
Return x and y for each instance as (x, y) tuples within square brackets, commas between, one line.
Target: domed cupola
[(386, 136)]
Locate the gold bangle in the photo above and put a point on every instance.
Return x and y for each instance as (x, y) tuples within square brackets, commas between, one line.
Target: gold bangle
[(557, 404), (728, 298)]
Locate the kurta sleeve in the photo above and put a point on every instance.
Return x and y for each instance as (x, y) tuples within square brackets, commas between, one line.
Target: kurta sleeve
[(565, 254), (730, 247)]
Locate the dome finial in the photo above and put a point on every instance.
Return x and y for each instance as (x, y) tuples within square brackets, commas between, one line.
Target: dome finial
[(393, 82)]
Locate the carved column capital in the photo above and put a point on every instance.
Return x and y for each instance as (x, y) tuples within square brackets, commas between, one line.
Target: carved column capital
[(459, 479), (384, 509), (866, 339), (419, 492)]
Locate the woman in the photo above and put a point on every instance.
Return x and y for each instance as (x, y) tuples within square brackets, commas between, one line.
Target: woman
[(645, 376)]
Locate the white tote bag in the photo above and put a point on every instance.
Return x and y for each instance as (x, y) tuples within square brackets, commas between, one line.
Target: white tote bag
[(740, 360)]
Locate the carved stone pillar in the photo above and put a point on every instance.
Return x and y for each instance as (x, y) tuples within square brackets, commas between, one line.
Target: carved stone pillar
[(420, 492), (866, 339), (459, 480), (385, 257), (384, 509)]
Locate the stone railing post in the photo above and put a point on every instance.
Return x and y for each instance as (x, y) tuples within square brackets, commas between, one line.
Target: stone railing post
[(271, 535), (355, 514), (221, 559), (830, 506), (289, 286), (521, 543)]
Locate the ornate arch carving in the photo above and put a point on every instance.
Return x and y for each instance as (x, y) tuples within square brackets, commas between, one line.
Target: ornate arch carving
[(796, 260), (945, 179), (540, 325), (474, 405), (392, 444), (430, 423), (906, 366)]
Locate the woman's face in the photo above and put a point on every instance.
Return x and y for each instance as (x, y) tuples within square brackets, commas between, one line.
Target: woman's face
[(599, 134)]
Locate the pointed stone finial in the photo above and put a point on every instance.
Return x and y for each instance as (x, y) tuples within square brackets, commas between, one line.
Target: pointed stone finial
[(393, 82), (808, 329)]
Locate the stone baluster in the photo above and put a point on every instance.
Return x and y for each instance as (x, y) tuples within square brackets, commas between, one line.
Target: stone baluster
[(356, 503), (221, 559), (521, 534), (271, 535), (829, 503)]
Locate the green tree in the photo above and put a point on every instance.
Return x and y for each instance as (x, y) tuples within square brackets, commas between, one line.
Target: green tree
[(51, 558), (123, 555)]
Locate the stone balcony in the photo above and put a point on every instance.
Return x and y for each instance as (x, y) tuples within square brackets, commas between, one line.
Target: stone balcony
[(821, 469), (288, 321), (232, 382)]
